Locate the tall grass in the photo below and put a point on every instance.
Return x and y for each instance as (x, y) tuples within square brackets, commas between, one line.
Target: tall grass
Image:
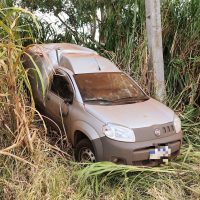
[(16, 114), (181, 43), (181, 30)]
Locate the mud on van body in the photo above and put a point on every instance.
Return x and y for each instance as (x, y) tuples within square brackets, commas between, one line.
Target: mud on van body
[(106, 115)]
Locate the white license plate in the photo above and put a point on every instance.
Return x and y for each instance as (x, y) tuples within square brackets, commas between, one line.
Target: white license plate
[(159, 153)]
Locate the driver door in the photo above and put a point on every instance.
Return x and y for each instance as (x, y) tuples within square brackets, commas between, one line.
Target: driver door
[(58, 100)]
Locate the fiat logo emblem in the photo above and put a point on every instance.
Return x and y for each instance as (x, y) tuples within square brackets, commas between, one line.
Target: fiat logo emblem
[(157, 132)]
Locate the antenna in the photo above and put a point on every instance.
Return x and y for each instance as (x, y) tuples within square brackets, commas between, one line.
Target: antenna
[(98, 64), (58, 60)]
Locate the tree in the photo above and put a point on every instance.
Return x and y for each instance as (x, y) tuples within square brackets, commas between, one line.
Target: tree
[(154, 34), (85, 19)]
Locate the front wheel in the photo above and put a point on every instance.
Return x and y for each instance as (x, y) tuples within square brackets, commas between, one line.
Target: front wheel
[(84, 151)]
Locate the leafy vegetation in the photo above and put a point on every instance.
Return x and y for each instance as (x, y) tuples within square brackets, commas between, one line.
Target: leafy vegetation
[(30, 168)]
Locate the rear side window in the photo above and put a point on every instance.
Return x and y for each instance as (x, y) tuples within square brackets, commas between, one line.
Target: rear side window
[(60, 86)]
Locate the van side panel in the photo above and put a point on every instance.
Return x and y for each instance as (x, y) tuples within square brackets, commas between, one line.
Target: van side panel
[(84, 128), (92, 135)]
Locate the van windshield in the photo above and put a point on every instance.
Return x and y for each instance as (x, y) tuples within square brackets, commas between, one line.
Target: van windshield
[(109, 88)]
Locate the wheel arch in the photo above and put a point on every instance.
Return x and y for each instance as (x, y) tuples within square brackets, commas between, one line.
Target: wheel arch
[(83, 130), (78, 136), (81, 127)]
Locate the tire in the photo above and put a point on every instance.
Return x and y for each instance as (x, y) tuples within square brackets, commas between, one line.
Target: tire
[(84, 151)]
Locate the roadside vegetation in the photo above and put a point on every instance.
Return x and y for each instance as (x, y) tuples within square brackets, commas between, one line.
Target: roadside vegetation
[(32, 168)]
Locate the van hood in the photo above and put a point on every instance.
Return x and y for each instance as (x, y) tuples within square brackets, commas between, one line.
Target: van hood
[(136, 115)]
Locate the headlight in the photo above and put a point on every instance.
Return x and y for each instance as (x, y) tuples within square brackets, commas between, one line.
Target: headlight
[(120, 133), (177, 124)]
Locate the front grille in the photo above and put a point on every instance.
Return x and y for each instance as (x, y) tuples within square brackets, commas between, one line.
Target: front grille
[(168, 129), (154, 132)]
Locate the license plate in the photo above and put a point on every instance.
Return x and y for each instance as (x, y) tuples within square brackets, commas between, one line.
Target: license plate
[(159, 153)]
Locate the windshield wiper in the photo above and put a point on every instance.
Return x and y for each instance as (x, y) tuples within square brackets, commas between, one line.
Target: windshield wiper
[(101, 100), (132, 99), (124, 99)]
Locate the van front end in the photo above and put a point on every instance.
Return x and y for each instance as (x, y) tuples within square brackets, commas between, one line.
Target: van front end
[(142, 152)]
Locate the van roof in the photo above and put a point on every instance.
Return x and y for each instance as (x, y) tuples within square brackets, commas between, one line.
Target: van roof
[(76, 58), (70, 48)]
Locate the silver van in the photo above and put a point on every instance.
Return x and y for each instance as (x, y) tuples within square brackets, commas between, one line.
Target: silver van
[(105, 113)]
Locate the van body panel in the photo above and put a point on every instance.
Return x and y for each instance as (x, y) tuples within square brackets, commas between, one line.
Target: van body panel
[(138, 153), (135, 115), (89, 63), (84, 122)]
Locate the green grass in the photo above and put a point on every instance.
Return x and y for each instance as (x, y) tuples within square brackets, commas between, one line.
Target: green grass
[(59, 178)]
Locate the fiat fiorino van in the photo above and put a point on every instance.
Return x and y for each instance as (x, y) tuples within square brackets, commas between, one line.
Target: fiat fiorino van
[(105, 113)]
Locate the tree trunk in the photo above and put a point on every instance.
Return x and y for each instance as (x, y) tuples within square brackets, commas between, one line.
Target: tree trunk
[(154, 35)]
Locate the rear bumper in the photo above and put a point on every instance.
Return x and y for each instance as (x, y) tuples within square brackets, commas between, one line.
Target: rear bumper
[(135, 153)]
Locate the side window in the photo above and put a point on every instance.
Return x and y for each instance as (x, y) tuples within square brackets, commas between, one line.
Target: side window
[(61, 87)]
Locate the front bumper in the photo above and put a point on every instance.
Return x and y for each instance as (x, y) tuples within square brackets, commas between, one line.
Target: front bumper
[(135, 153)]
